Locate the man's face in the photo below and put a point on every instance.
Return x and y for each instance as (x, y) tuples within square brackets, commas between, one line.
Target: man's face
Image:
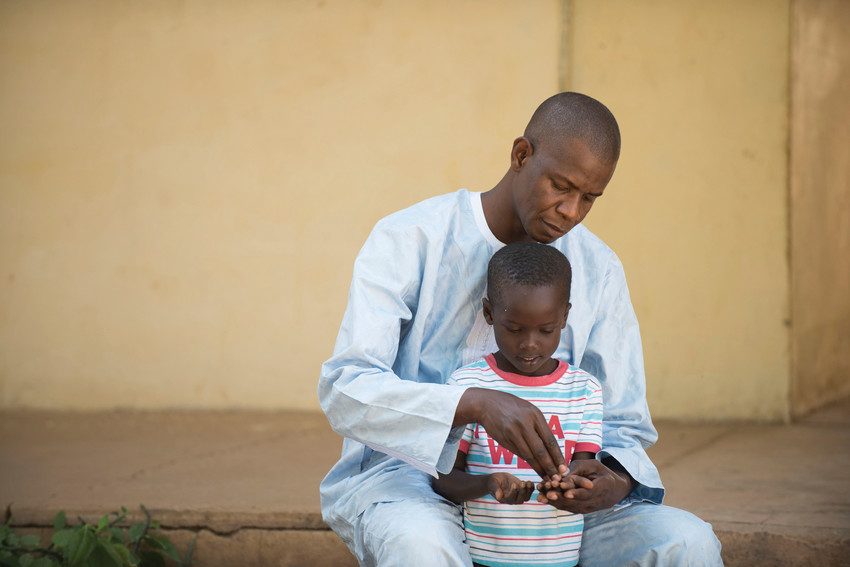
[(527, 323), (556, 186)]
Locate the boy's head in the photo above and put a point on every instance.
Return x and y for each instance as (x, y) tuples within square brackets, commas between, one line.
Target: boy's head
[(528, 298)]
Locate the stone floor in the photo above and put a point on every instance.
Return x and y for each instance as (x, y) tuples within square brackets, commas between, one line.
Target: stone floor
[(247, 482)]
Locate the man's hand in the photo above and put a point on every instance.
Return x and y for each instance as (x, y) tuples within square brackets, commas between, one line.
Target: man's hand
[(508, 489), (606, 488), (516, 425)]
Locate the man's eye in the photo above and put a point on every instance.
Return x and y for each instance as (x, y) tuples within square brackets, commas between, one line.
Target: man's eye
[(547, 331), (514, 331)]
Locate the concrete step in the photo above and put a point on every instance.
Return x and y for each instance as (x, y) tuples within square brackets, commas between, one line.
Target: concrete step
[(246, 483)]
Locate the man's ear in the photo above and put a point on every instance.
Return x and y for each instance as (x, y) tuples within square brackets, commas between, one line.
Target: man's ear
[(520, 152), (488, 311)]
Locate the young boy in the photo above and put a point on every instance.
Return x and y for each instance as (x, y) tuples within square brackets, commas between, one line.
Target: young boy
[(528, 292)]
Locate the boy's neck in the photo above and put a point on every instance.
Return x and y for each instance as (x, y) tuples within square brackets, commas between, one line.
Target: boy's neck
[(547, 368)]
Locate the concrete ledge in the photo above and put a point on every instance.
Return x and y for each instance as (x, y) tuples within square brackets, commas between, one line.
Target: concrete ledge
[(246, 483)]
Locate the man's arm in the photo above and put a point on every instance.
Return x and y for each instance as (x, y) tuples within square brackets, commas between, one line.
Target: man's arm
[(417, 422), (614, 355), (359, 392)]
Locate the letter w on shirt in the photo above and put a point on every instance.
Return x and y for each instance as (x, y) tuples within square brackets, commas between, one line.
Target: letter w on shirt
[(500, 454)]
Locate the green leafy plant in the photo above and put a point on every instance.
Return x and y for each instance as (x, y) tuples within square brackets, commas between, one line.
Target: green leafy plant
[(108, 543)]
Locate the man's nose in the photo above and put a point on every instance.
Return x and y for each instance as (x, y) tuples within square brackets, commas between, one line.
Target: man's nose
[(569, 207)]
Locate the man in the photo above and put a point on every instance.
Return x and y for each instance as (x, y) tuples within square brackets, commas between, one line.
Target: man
[(413, 317)]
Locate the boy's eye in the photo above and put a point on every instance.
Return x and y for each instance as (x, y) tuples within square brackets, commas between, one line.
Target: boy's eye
[(547, 331), (513, 330)]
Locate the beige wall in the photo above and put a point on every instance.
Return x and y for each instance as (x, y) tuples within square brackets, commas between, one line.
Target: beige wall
[(183, 186), (697, 207), (820, 203)]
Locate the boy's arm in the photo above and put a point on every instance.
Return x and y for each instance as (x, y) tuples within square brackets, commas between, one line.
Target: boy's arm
[(460, 486)]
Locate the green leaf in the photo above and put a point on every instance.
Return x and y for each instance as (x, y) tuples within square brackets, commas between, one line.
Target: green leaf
[(62, 538), (103, 523), (60, 521), (81, 547), (29, 541), (117, 535), (127, 557), (117, 552), (25, 560), (159, 541), (152, 559), (45, 562), (104, 556), (136, 532)]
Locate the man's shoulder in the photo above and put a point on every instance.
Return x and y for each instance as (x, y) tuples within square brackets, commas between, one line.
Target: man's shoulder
[(582, 237), (430, 214), (583, 247)]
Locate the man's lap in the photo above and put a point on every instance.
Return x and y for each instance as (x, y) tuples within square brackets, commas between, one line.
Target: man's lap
[(429, 531)]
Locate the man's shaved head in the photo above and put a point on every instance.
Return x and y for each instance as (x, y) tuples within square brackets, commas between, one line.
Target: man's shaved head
[(567, 116)]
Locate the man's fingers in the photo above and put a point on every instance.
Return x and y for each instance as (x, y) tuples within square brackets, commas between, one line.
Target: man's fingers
[(578, 494), (551, 445), (541, 456), (581, 482)]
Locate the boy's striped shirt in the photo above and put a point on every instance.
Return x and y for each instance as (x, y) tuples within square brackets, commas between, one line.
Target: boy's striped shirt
[(531, 533)]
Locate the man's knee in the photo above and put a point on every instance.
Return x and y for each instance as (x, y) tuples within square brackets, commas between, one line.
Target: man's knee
[(692, 542), (647, 535), (405, 533)]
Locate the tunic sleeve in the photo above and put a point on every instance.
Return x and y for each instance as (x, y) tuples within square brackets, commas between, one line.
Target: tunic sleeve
[(359, 392), (614, 355)]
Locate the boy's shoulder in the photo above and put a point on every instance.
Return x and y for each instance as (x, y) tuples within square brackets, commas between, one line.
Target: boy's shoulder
[(472, 372), (575, 375)]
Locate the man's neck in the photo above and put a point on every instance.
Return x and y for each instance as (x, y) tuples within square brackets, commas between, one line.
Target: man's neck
[(499, 213)]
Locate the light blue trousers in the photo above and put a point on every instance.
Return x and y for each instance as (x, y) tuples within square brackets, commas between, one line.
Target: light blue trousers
[(429, 533)]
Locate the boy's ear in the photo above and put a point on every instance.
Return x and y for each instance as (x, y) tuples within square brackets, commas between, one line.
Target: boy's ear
[(566, 314), (488, 311)]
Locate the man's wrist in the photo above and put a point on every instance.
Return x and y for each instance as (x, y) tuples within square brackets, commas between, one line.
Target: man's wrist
[(467, 410), (619, 470)]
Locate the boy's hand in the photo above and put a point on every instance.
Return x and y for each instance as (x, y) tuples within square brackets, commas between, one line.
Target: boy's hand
[(599, 489), (555, 489), (508, 489)]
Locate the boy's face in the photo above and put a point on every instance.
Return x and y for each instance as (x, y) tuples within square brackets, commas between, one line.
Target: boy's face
[(527, 323)]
